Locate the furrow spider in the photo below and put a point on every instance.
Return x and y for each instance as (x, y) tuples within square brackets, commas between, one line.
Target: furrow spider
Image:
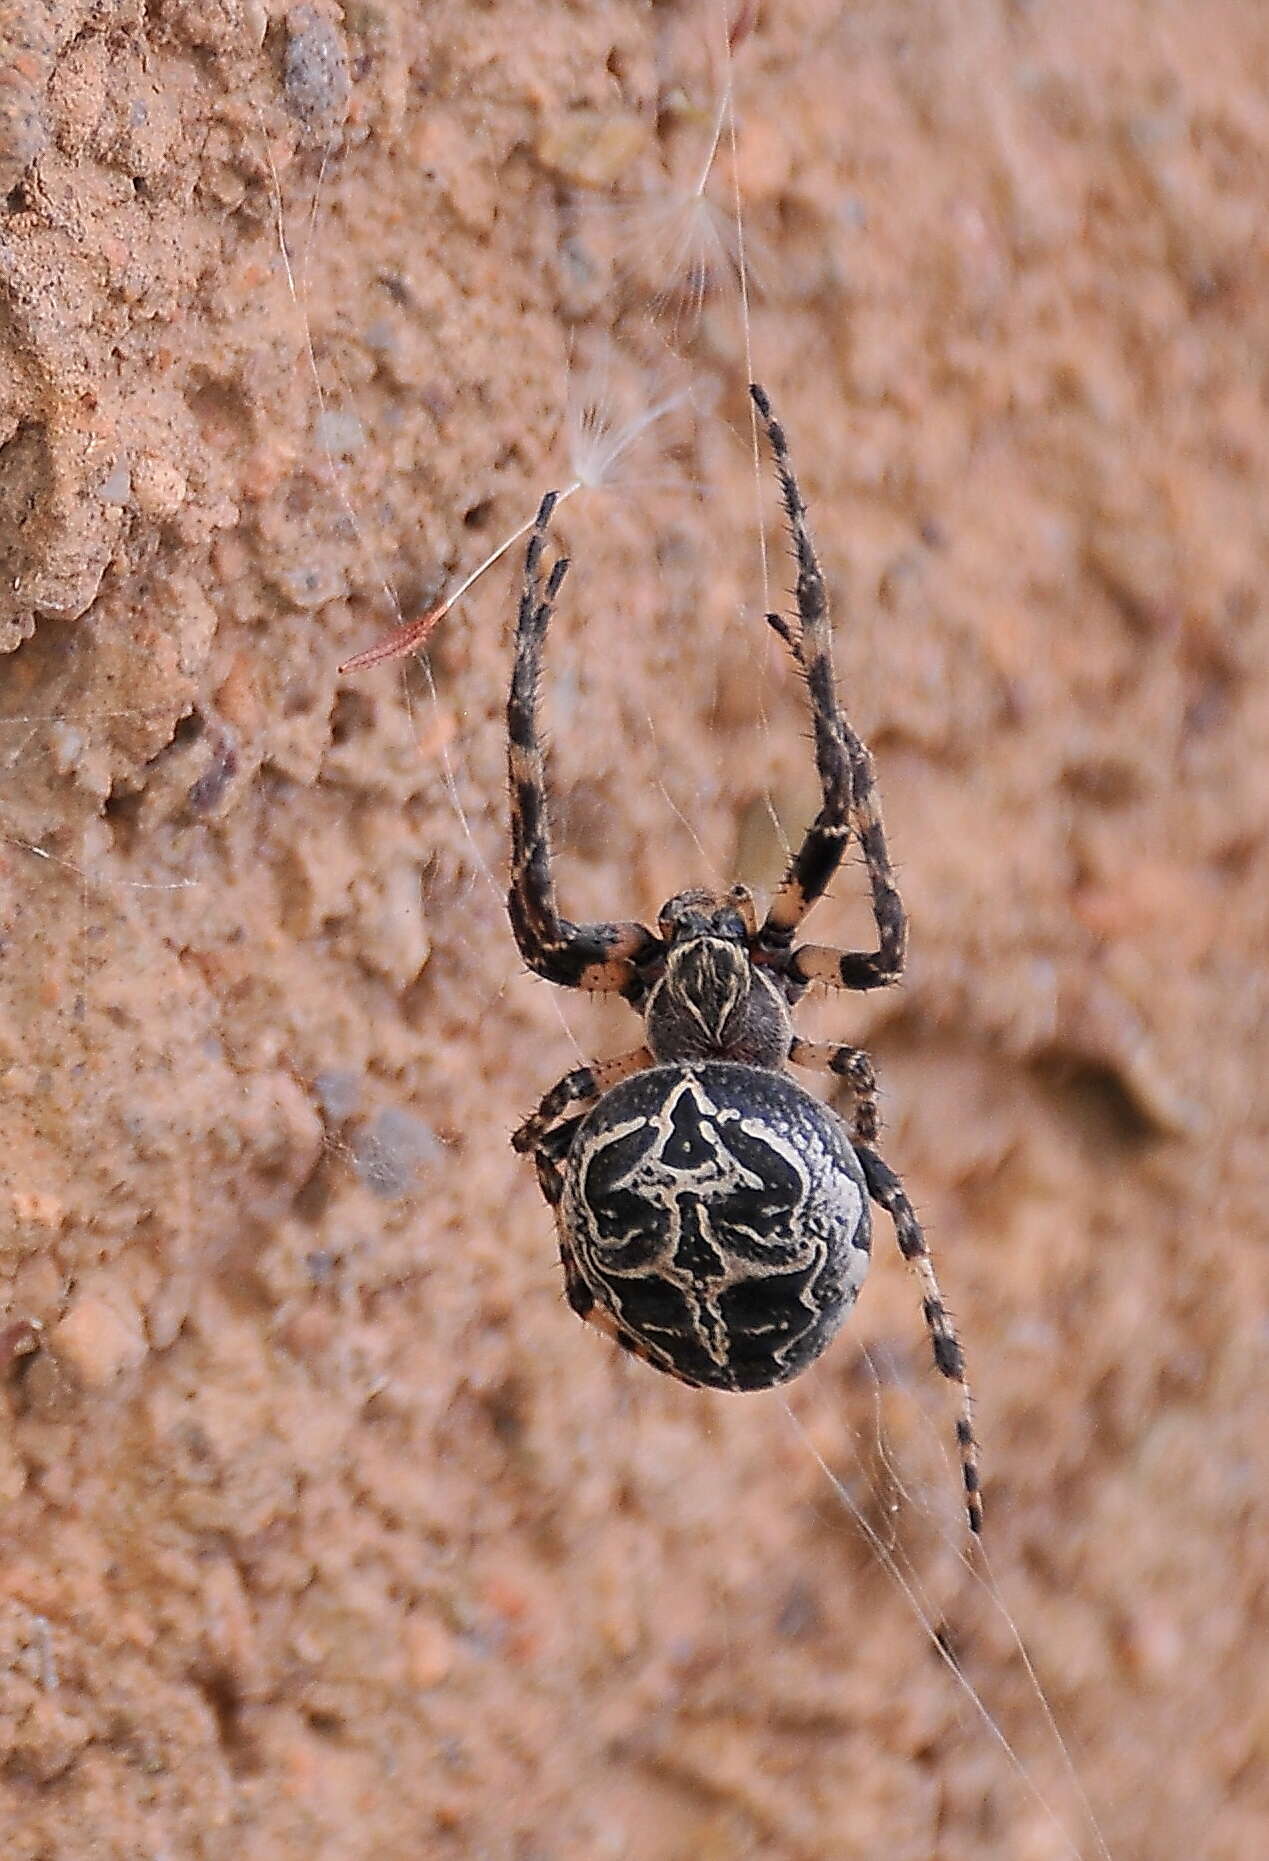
[(712, 1215)]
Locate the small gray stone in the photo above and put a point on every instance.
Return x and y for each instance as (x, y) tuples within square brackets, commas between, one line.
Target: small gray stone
[(391, 1151), (315, 73)]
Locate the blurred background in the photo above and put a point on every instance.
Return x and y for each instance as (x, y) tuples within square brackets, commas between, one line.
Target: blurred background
[(327, 1531)]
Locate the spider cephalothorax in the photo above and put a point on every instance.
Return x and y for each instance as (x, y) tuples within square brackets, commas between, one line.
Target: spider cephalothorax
[(710, 1001), (712, 1215)]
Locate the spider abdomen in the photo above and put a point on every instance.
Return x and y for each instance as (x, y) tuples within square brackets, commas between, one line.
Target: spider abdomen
[(717, 1216)]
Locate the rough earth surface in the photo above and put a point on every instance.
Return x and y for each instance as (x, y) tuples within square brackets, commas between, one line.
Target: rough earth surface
[(326, 1530)]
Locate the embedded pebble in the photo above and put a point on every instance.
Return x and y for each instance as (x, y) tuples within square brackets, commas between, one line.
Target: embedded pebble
[(429, 1650), (98, 1340), (24, 74), (391, 1151), (592, 148), (117, 487), (338, 1093), (339, 433), (158, 487), (315, 73)]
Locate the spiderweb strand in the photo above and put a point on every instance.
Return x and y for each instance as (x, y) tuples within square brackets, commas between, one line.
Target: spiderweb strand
[(449, 777), (739, 28), (991, 1589), (910, 1589)]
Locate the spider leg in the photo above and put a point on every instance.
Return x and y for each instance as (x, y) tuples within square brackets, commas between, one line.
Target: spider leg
[(854, 1066), (742, 898), (575, 956), (548, 1160), (845, 767), (577, 1091), (549, 1135), (885, 1189)]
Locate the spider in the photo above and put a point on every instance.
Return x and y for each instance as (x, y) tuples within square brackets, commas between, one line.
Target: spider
[(713, 1216)]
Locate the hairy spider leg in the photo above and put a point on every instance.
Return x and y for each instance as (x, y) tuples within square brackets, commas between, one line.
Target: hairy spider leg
[(574, 956), (888, 1192), (854, 1067), (578, 1091), (847, 780)]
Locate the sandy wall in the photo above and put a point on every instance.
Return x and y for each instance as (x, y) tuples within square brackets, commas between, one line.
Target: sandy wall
[(326, 1530)]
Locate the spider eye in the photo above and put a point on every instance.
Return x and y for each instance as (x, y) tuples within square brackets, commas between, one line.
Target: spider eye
[(686, 915)]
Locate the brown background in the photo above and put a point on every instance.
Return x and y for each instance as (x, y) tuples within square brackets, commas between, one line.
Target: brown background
[(327, 1532)]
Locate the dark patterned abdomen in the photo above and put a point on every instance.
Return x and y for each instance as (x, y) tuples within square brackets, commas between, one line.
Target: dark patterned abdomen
[(718, 1214)]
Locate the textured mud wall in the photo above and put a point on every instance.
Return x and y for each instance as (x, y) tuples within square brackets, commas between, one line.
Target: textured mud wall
[(327, 1532)]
